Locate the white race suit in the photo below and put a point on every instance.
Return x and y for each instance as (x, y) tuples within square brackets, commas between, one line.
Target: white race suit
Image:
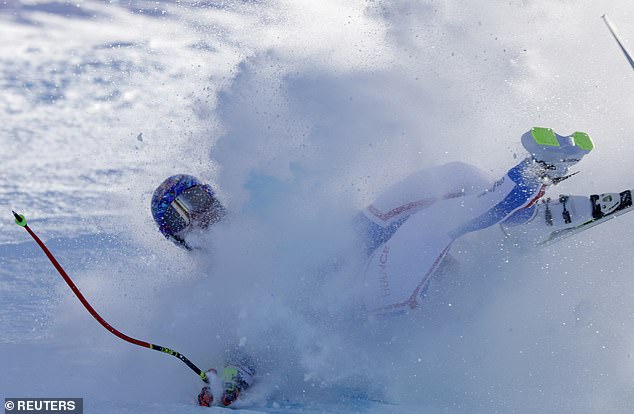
[(410, 228)]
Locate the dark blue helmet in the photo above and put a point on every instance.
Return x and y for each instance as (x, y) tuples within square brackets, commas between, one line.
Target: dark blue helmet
[(183, 202)]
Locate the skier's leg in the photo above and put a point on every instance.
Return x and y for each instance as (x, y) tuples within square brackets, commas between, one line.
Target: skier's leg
[(400, 269), (422, 188), (524, 184), (379, 221)]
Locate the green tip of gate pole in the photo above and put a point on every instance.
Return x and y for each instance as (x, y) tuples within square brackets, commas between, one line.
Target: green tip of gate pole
[(19, 219)]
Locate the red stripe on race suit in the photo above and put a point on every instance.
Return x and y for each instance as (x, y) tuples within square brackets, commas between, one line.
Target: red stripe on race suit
[(414, 205)]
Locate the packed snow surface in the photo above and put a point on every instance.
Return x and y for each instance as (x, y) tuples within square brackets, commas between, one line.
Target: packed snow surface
[(300, 112)]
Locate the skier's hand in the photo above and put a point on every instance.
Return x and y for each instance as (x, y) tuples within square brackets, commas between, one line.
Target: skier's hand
[(235, 379), (229, 396), (205, 399), (232, 385)]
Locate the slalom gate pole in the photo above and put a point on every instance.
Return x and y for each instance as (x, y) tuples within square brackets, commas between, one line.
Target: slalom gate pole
[(21, 221), (627, 54)]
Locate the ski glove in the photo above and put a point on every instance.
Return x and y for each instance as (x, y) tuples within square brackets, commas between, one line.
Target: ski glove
[(205, 399)]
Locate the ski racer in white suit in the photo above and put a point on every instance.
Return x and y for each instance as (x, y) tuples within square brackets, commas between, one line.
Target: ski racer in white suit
[(410, 230)]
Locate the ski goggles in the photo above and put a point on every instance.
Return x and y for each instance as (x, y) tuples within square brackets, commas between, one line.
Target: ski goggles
[(195, 205)]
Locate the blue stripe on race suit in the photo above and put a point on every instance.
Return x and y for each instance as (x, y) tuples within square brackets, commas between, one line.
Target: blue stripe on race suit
[(524, 192)]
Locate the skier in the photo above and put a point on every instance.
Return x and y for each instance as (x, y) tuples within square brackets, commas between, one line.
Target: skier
[(408, 231)]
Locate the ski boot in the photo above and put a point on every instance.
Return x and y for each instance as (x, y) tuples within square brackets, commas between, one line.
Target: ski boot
[(555, 153), (235, 379)]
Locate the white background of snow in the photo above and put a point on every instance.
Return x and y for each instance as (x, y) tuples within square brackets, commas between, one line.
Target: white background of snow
[(301, 112)]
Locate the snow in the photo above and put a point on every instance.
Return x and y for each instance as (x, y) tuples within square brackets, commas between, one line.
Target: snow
[(302, 112)]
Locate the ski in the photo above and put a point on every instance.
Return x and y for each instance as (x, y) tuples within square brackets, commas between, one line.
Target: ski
[(605, 207)]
